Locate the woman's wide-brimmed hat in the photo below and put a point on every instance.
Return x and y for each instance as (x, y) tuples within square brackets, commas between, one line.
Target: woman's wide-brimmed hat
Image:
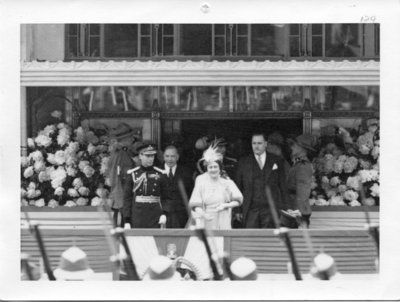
[(307, 141), (161, 268), (73, 265), (244, 268)]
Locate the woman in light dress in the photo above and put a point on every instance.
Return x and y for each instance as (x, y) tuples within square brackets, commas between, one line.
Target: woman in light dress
[(214, 194)]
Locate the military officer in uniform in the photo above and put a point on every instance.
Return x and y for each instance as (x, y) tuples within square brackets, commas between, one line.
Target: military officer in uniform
[(300, 176), (142, 203)]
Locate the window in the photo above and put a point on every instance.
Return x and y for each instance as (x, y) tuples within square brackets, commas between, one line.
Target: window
[(285, 41), (334, 40), (121, 40), (196, 39), (345, 98)]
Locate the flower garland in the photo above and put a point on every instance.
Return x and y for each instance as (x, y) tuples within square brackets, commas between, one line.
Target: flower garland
[(65, 168), (347, 163)]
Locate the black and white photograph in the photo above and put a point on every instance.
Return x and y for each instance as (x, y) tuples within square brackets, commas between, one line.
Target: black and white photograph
[(200, 141)]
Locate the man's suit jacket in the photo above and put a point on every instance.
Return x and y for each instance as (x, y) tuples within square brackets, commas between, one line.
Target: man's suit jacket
[(275, 178), (171, 198)]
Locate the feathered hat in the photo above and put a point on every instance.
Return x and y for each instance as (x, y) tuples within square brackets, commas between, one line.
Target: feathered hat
[(211, 154)]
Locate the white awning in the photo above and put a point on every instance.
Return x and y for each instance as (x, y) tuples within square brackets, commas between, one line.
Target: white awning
[(202, 73)]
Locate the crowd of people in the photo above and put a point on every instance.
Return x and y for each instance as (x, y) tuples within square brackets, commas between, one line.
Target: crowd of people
[(227, 192), (261, 190)]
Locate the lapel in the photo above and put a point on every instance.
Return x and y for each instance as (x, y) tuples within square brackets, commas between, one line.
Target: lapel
[(269, 162)]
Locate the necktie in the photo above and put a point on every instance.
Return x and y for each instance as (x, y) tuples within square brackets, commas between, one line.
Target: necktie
[(170, 175), (259, 161)]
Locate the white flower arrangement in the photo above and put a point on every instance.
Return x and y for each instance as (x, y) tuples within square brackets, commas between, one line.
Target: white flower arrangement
[(36, 156), (336, 201), (88, 171), (39, 166), (53, 204), (31, 143), (24, 161), (102, 193), (28, 172), (83, 191), (77, 183), (64, 167), (321, 202), (341, 169), (82, 201), (39, 203), (59, 157), (350, 195), (70, 204), (369, 201), (353, 182), (374, 190), (91, 149), (59, 191), (335, 181), (355, 203), (43, 140), (71, 171), (72, 192), (97, 201)]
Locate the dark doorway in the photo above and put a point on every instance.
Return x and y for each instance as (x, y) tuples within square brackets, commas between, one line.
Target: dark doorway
[(236, 132)]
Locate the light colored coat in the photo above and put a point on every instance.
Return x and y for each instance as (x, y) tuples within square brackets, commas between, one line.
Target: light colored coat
[(209, 193)]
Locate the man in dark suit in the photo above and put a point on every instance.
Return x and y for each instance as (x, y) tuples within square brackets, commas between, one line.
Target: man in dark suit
[(255, 172), (171, 199)]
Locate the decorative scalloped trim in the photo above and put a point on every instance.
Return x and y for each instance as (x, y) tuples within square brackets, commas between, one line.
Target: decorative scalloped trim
[(200, 65)]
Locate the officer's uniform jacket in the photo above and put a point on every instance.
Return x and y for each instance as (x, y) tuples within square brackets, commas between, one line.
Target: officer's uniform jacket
[(142, 187), (299, 185)]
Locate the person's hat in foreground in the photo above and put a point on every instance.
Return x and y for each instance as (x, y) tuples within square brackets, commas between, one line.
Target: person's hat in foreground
[(244, 269), (26, 265), (73, 265), (324, 267), (161, 268)]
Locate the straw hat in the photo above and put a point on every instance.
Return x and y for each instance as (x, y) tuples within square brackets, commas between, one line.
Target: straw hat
[(161, 268), (73, 265), (244, 269)]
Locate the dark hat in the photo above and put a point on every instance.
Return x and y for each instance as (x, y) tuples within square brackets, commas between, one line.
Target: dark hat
[(147, 149), (275, 138), (307, 141)]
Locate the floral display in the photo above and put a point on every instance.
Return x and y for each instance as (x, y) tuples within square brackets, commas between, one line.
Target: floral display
[(347, 163), (65, 167)]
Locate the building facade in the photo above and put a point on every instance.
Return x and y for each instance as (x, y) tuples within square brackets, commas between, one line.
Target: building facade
[(178, 82)]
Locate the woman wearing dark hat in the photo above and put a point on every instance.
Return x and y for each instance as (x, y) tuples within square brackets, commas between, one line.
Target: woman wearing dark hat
[(300, 177)]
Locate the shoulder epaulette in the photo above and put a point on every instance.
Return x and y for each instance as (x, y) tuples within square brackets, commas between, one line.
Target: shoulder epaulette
[(132, 170), (160, 170)]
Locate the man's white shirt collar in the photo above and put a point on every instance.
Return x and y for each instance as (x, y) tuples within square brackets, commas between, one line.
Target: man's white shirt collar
[(263, 157), (166, 168)]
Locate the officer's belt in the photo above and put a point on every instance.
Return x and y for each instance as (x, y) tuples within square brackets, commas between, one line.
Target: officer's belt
[(147, 199)]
